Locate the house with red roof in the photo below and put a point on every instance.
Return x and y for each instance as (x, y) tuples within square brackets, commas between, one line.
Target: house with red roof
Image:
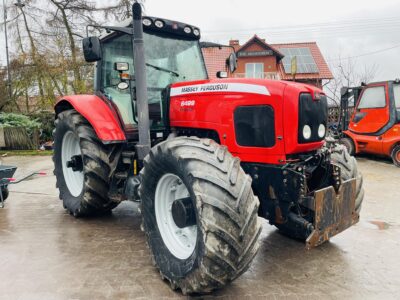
[(301, 62)]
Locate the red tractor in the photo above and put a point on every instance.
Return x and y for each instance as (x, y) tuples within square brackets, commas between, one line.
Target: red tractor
[(204, 157), (375, 124)]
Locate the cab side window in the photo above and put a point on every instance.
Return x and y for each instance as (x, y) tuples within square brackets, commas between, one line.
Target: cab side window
[(118, 49), (396, 89), (373, 97)]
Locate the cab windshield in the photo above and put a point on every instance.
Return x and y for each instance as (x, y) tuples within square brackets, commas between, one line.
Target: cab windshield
[(168, 60)]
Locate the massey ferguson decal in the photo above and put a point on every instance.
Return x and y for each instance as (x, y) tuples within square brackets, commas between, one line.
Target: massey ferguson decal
[(220, 87)]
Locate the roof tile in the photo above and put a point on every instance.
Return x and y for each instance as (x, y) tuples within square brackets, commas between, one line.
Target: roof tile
[(215, 59)]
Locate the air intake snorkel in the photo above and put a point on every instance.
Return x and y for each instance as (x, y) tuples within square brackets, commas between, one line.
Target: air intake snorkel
[(143, 146)]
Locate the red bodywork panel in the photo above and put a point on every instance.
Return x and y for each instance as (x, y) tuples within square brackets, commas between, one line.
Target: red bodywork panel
[(382, 144), (99, 114), (210, 104)]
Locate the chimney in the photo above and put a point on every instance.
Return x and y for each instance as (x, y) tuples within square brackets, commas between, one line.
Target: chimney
[(234, 43)]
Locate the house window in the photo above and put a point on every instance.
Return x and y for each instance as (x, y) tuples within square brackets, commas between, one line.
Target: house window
[(254, 70)]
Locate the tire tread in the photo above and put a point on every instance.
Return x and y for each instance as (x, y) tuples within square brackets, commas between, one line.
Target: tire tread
[(226, 204)]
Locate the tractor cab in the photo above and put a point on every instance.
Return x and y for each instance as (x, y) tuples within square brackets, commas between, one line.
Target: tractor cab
[(172, 54), (374, 126), (377, 108)]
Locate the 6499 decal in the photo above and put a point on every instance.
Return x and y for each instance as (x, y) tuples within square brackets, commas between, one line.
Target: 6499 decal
[(188, 103)]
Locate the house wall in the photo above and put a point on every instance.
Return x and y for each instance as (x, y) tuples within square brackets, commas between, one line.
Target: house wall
[(270, 62)]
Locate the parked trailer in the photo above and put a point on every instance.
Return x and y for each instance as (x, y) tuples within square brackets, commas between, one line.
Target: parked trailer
[(6, 178), (6, 173)]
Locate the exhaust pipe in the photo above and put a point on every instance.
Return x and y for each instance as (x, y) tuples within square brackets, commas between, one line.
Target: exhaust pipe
[(143, 146)]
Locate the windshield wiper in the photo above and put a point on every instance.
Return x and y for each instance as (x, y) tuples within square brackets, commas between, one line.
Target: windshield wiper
[(162, 69)]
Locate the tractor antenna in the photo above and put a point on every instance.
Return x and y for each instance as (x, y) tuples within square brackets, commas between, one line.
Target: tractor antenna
[(143, 146)]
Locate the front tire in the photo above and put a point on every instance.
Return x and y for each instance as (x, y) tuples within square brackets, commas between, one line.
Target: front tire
[(349, 144), (396, 155), (349, 169), (223, 239), (84, 187)]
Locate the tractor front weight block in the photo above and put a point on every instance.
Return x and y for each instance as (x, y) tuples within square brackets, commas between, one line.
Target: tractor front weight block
[(311, 200), (334, 212)]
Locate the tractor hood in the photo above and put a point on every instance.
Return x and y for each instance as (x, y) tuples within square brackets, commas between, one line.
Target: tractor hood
[(215, 105)]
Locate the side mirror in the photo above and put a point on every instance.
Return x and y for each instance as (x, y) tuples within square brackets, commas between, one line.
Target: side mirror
[(232, 62), (91, 49), (222, 74)]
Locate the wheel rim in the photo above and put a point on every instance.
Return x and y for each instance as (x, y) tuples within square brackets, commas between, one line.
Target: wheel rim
[(179, 241), (73, 179), (397, 156)]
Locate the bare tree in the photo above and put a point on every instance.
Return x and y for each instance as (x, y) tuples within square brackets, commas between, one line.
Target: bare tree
[(348, 73), (47, 59)]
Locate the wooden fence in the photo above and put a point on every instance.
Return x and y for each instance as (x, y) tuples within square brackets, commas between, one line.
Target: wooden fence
[(334, 114), (18, 138)]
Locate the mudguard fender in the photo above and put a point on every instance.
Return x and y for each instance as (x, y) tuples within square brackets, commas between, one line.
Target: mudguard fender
[(99, 114)]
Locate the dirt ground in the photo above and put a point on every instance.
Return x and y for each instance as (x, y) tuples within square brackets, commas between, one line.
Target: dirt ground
[(47, 254)]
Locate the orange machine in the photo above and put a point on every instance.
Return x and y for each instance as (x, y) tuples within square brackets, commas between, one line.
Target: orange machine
[(374, 126)]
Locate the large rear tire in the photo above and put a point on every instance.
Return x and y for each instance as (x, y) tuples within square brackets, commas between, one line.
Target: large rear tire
[(84, 184), (220, 243)]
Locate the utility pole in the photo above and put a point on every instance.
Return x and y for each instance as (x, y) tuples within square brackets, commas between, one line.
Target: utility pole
[(8, 60)]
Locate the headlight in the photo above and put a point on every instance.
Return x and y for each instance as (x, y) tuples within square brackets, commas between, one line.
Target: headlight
[(159, 24), (321, 130), (147, 22), (306, 132), (187, 30), (196, 32)]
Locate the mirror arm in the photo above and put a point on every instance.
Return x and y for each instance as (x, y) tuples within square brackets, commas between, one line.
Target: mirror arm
[(127, 30)]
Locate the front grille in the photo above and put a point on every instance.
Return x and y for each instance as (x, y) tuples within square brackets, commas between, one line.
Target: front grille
[(255, 126), (312, 113)]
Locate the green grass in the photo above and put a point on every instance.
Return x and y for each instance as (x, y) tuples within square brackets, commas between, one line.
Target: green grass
[(25, 152)]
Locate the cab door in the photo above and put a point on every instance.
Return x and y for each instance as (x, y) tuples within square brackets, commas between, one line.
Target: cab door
[(372, 111)]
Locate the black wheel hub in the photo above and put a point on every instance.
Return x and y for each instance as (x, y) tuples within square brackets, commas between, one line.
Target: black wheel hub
[(76, 163), (183, 212)]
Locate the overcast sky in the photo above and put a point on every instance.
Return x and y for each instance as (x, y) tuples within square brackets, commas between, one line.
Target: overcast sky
[(351, 28)]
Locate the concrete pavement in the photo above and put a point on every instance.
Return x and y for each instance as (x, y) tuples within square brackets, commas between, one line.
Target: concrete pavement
[(47, 254)]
